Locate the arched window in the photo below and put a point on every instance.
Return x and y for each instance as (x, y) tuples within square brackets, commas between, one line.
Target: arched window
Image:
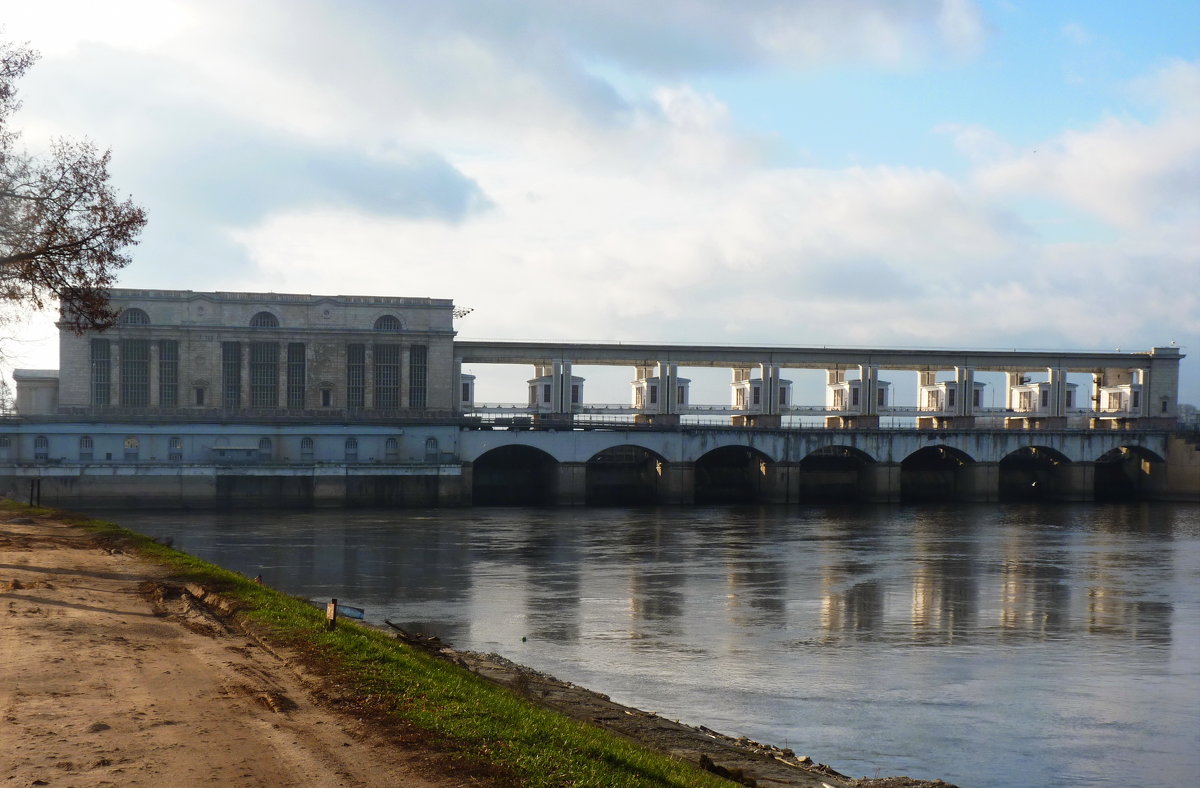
[(132, 444), (264, 448), (431, 449), (306, 449), (351, 450), (134, 317), (41, 448), (388, 323), (391, 449), (175, 449), (264, 320), (85, 448)]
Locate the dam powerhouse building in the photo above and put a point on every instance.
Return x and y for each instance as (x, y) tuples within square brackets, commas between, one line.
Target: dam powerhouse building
[(262, 399)]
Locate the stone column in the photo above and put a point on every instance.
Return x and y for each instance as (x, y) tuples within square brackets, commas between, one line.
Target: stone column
[(979, 481), (368, 376), (782, 483), (570, 484), (677, 484), (879, 482), (1075, 481)]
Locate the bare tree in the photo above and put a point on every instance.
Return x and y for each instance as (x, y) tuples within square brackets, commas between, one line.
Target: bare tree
[(63, 232)]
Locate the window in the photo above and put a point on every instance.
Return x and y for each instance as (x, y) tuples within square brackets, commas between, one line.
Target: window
[(545, 392), (391, 449), (1026, 401), (41, 448), (1070, 398), (682, 395), (466, 392), (839, 399), (880, 397), (135, 373), (306, 449), (431, 450), (854, 396), (132, 445), (175, 449), (264, 375), (417, 360), (101, 373), (264, 320), (199, 396), (168, 373), (1045, 398), (356, 370), (231, 375), (296, 373), (977, 399), (85, 448), (1134, 399), (575, 394), (326, 398), (134, 317), (950, 396), (756, 394), (387, 377), (264, 448), (653, 395), (351, 450), (388, 323)]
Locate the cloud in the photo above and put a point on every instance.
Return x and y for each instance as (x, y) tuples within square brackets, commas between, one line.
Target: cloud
[(1128, 172)]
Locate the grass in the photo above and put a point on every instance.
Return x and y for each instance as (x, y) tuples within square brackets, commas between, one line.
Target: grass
[(482, 725)]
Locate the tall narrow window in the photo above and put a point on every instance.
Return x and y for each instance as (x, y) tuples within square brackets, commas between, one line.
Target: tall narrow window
[(168, 373), (41, 448), (85, 448), (356, 375), (135, 373), (306, 449), (351, 450), (295, 375), (175, 449), (391, 449), (132, 446), (101, 372), (418, 356), (231, 375), (387, 377), (264, 375)]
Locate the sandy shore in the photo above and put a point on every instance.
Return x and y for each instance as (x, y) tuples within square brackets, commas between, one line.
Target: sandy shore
[(111, 677)]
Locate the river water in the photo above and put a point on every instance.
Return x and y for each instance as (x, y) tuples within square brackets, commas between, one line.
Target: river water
[(998, 645)]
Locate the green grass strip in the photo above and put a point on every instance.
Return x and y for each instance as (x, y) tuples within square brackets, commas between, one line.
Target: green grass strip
[(480, 722)]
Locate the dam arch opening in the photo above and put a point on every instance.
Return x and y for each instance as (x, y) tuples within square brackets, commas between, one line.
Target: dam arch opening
[(731, 475), (514, 475), (624, 475)]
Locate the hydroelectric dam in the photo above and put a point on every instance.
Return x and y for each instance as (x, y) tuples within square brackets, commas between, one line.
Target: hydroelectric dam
[(263, 399)]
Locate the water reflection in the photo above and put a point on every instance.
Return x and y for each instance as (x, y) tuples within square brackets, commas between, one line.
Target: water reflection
[(815, 625)]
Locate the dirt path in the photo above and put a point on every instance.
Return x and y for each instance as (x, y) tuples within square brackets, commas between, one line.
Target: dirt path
[(98, 688)]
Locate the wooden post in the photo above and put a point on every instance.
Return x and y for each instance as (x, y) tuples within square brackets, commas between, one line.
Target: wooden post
[(331, 615)]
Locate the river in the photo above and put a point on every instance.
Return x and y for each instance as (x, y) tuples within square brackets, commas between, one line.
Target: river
[(997, 645)]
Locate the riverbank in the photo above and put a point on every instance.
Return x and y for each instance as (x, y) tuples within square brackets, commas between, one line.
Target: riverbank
[(122, 675)]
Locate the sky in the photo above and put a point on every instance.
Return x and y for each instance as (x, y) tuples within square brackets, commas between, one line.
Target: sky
[(891, 173)]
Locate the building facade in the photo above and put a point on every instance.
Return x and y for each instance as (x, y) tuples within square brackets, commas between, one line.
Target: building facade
[(259, 353)]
